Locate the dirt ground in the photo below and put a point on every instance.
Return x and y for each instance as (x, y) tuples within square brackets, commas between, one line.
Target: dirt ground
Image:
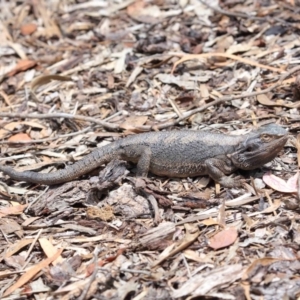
[(76, 75)]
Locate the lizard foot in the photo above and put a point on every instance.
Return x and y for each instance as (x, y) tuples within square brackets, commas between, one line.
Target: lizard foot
[(230, 182)]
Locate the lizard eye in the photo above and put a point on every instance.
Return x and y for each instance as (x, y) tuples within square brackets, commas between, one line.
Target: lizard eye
[(265, 137)]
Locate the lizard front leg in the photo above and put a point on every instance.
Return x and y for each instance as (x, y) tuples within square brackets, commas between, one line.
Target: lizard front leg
[(144, 163), (217, 168), (140, 155)]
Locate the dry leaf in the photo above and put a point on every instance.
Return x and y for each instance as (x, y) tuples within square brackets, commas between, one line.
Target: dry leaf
[(32, 272), (13, 210), (238, 48), (298, 148), (193, 255), (28, 221), (265, 261), (271, 209), (278, 184), (42, 80), (20, 137), (17, 247), (133, 122), (22, 65), (29, 28), (185, 81), (102, 262), (50, 250), (210, 222), (142, 13), (222, 214), (223, 238), (201, 284), (13, 125), (192, 233), (264, 100), (291, 2)]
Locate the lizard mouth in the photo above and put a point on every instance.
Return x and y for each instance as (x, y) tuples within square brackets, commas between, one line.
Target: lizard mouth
[(259, 154)]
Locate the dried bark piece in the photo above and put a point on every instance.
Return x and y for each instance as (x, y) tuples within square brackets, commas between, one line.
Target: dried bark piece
[(158, 237)]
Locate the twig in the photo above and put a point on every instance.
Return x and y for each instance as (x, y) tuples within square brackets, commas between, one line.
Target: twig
[(33, 243), (36, 199), (147, 273), (61, 115), (47, 139), (93, 276), (8, 284), (175, 107), (247, 61), (186, 265), (152, 200), (6, 188)]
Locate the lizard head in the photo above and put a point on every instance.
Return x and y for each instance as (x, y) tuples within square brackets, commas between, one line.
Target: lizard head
[(260, 147)]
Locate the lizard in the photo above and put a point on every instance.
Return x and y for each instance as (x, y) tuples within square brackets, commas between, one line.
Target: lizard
[(182, 153)]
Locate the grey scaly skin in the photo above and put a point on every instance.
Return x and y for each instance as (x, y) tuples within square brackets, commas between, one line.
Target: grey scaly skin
[(185, 153)]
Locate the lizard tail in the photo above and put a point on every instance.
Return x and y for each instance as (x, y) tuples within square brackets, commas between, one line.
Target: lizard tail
[(90, 162)]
